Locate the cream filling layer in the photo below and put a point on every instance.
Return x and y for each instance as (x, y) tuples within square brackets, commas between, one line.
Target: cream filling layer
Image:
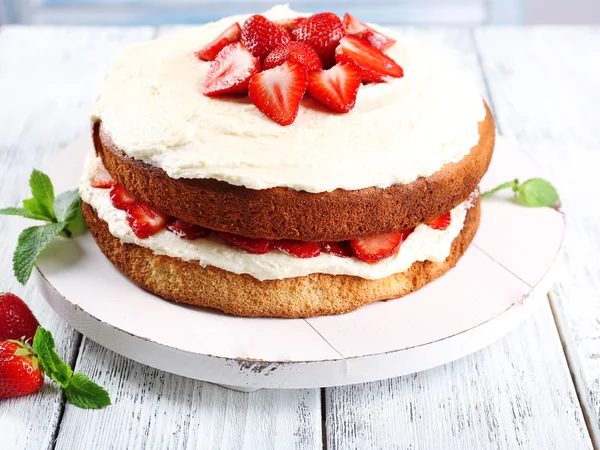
[(424, 243), (398, 131)]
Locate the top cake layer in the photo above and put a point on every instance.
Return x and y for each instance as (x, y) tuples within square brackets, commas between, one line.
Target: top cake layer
[(399, 130)]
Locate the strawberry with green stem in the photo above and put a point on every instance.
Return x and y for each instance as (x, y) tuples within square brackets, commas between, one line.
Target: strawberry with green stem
[(27, 352), (22, 369)]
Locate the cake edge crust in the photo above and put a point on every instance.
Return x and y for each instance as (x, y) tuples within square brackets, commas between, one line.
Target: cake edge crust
[(284, 213), (243, 295)]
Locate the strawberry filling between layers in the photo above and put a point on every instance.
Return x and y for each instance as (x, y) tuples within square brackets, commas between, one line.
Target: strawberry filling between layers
[(133, 221)]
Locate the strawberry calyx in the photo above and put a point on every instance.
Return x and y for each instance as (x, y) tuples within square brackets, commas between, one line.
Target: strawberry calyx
[(24, 349)]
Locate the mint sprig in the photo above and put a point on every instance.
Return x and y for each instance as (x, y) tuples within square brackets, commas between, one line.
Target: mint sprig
[(535, 192), (54, 367), (79, 389), (59, 212), (86, 394)]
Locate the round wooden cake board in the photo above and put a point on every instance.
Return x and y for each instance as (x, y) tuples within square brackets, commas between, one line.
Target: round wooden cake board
[(500, 280)]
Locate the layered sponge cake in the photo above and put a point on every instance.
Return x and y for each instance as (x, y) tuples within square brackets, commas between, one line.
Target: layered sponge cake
[(285, 165)]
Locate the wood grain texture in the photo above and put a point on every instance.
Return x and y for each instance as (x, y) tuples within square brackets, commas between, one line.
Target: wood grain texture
[(157, 410), (48, 79), (544, 85), (517, 393)]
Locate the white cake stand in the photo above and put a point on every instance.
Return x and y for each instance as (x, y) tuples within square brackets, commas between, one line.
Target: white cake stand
[(502, 277)]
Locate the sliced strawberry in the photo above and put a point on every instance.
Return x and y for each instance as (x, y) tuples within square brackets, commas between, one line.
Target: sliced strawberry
[(186, 230), (290, 24), (121, 197), (295, 52), (374, 65), (277, 92), (299, 249), (440, 223), (375, 248), (232, 34), (341, 249), (335, 88), (406, 233), (322, 32), (357, 28), (145, 220), (261, 36), (231, 71), (250, 245)]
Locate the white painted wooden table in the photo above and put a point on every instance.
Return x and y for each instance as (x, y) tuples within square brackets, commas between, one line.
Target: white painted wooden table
[(539, 387)]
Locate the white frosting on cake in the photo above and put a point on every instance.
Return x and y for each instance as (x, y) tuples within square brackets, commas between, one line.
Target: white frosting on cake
[(424, 243), (398, 131)]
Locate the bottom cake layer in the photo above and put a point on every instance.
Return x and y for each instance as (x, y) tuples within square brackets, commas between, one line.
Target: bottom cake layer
[(243, 295)]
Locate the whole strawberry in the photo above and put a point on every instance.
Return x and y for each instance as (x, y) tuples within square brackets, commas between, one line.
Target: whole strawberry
[(322, 32), (20, 372), (260, 36), (16, 319)]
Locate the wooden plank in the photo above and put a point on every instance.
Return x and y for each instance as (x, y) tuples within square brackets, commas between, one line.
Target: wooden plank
[(48, 79), (500, 397), (545, 88), (516, 393), (157, 410)]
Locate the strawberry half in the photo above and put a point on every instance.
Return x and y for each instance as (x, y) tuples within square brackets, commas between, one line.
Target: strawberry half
[(277, 92), (121, 197), (290, 24), (360, 29), (232, 34), (146, 221), (250, 245), (20, 371), (322, 32), (295, 52), (374, 65), (375, 248), (440, 223), (186, 230), (341, 249), (335, 88), (231, 71), (16, 319), (299, 249), (261, 36)]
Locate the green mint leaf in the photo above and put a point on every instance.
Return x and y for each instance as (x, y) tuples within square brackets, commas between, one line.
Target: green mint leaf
[(43, 192), (31, 243), (54, 367), (538, 192), (21, 212), (86, 394), (67, 205), (32, 205), (514, 185)]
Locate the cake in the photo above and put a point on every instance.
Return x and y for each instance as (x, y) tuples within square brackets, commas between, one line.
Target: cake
[(285, 165)]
